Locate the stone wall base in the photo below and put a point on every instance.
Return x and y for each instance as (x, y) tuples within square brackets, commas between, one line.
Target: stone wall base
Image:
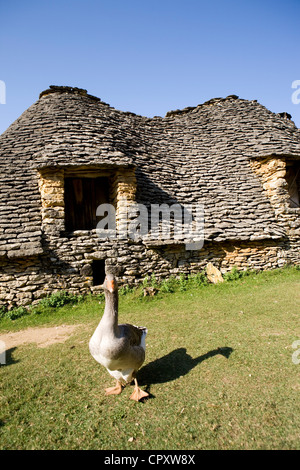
[(26, 281)]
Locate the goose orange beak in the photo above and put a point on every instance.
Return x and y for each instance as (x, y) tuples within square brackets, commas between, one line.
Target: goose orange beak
[(111, 286)]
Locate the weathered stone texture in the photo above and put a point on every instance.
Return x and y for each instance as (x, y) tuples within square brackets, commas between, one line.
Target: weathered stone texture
[(213, 274), (227, 154)]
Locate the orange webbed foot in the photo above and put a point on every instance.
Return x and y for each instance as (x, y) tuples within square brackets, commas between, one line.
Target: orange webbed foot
[(114, 390), (138, 393)]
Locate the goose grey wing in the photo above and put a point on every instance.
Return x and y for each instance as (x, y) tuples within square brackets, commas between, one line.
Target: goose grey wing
[(133, 333)]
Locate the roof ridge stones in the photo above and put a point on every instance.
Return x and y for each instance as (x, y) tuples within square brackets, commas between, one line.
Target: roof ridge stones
[(210, 102), (213, 101), (83, 92), (70, 90)]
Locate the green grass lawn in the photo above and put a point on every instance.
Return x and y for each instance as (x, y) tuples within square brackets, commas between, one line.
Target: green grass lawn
[(218, 368)]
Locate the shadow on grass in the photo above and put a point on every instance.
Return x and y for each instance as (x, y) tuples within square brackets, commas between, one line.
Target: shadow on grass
[(174, 365), (8, 358)]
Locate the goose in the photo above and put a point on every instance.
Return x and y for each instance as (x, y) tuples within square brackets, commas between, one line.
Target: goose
[(119, 348)]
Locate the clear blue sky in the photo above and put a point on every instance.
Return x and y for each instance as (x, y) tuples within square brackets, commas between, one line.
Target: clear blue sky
[(149, 57)]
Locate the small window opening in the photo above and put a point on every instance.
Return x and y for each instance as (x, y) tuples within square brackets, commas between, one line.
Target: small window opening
[(293, 180), (98, 267), (82, 197)]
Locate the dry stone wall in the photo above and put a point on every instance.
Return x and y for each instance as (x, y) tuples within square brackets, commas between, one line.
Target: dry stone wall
[(64, 265), (228, 154), (272, 173)]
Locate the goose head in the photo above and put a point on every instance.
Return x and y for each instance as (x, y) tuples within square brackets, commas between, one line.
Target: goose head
[(110, 283)]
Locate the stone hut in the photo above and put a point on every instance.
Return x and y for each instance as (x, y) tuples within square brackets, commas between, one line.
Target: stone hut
[(70, 152)]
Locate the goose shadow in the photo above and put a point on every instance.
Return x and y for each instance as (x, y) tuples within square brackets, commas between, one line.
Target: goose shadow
[(174, 365), (7, 358)]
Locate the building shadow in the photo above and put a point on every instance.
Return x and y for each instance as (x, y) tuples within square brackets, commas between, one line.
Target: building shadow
[(174, 365)]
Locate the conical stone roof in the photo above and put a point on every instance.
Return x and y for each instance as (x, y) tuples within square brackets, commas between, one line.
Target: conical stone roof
[(196, 155)]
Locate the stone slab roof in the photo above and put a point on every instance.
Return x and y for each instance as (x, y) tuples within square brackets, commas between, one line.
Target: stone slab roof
[(197, 155)]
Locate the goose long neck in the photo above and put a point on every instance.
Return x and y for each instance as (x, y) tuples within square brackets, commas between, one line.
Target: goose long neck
[(110, 315)]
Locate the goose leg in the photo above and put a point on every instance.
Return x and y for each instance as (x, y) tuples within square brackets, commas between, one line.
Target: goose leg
[(138, 393), (114, 390)]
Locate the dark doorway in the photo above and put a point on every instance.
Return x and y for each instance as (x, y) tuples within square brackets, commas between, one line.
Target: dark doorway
[(98, 267), (293, 180), (82, 197)]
